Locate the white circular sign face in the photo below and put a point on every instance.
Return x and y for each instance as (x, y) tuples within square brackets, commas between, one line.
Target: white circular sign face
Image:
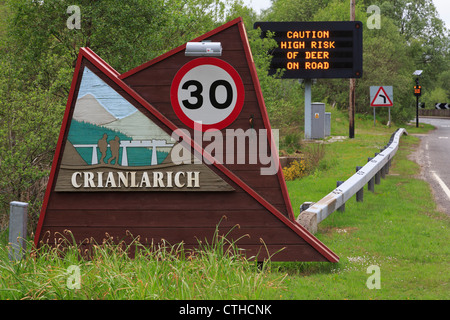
[(207, 91)]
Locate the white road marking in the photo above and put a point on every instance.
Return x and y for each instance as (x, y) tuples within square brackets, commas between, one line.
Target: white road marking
[(442, 137), (442, 184)]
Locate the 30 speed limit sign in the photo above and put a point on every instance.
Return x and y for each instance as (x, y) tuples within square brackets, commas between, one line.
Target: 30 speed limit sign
[(207, 91)]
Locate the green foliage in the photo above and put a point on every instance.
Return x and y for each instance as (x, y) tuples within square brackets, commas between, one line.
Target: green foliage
[(30, 118), (294, 10)]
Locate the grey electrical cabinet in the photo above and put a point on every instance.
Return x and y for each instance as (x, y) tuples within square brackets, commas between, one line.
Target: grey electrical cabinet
[(315, 121)]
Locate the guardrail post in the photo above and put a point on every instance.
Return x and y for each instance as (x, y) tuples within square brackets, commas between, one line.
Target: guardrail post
[(17, 229), (360, 193), (341, 208), (305, 205), (384, 169), (377, 175), (371, 183)]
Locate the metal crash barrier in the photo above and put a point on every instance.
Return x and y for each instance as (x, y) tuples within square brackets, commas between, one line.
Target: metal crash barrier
[(313, 213)]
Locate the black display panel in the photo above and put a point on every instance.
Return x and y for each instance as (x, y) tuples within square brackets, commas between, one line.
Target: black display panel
[(311, 50)]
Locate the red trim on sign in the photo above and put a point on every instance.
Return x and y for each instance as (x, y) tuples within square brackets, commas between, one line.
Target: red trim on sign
[(99, 60), (218, 63)]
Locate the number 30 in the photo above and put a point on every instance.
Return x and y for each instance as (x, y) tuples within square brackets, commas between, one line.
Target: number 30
[(197, 94)]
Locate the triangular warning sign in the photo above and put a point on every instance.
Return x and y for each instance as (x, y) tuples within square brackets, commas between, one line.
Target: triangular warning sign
[(381, 99), (131, 158)]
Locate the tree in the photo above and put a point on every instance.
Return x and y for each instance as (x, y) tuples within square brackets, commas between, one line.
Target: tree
[(294, 10), (426, 37), (29, 124), (124, 33)]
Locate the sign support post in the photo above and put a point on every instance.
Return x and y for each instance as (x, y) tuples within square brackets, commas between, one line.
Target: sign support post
[(374, 118), (417, 111), (417, 93), (308, 83), (389, 123), (351, 109)]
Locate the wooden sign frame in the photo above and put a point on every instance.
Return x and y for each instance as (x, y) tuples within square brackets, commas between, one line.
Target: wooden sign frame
[(258, 204)]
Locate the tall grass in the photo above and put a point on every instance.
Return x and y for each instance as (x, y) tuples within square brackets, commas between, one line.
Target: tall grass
[(214, 270)]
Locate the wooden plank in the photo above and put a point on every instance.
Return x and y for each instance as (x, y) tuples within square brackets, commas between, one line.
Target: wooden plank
[(151, 201), (163, 76), (201, 217), (188, 235)]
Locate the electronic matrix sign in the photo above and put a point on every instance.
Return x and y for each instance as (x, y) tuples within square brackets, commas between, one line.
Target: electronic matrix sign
[(308, 50)]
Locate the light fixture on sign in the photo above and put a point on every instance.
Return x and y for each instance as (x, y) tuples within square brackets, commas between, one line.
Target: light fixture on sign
[(203, 49)]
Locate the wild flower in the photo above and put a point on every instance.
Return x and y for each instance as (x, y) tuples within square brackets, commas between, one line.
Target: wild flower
[(296, 169)]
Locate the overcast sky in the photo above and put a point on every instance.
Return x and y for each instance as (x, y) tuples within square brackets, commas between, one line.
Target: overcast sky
[(442, 6)]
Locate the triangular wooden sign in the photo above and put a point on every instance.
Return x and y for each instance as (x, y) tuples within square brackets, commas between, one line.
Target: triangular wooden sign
[(170, 148)]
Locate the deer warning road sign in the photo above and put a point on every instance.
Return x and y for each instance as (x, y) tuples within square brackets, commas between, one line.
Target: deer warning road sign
[(381, 96)]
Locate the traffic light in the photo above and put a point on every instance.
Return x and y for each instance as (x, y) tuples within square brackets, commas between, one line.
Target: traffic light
[(417, 90)]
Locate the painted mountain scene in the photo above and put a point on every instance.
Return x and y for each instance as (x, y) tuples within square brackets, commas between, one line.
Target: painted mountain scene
[(107, 129)]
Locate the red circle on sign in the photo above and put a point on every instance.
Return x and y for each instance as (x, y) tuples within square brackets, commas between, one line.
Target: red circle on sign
[(202, 92)]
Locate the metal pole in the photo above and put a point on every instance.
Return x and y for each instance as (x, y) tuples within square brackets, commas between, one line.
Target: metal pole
[(17, 229), (417, 111), (308, 129), (351, 108), (389, 123), (374, 118), (371, 183), (360, 192)]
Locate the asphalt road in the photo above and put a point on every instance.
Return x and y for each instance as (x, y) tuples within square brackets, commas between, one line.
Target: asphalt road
[(433, 155)]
